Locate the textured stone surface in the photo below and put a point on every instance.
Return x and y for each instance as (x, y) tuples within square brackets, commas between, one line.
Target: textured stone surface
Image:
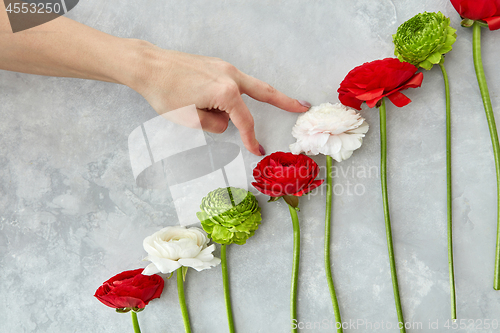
[(72, 215)]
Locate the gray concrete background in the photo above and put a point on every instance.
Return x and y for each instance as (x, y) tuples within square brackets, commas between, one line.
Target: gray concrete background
[(72, 217)]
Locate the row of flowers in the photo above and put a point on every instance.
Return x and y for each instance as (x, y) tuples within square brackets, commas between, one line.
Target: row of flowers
[(232, 215)]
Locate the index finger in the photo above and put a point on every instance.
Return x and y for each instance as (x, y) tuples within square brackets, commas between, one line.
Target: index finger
[(243, 120), (264, 92)]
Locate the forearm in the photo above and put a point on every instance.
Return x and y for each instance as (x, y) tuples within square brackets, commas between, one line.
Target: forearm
[(66, 48), (167, 79)]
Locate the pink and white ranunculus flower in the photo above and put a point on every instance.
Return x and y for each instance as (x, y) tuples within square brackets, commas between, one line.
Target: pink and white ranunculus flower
[(329, 129), (173, 247)]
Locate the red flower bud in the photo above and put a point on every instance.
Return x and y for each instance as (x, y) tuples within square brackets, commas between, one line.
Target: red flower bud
[(130, 290), (282, 174), (375, 80), (487, 10)]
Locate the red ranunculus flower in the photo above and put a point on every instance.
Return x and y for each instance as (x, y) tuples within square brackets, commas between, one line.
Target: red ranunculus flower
[(282, 174), (130, 290), (487, 10), (375, 80)]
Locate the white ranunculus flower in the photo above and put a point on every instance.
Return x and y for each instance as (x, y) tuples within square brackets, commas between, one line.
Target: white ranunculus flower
[(329, 129), (173, 247)]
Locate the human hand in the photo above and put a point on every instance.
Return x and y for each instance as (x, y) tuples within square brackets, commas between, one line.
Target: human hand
[(169, 80)]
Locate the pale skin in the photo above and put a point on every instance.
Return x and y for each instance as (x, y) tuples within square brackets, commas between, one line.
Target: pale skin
[(167, 79)]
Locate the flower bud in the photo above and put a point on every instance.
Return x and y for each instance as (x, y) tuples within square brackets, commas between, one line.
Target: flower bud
[(230, 215), (423, 39)]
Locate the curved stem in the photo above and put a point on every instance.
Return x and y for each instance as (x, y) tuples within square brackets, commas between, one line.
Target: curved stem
[(135, 322), (225, 282), (485, 95), (383, 177), (328, 266), (182, 300), (482, 24), (448, 194), (295, 267)]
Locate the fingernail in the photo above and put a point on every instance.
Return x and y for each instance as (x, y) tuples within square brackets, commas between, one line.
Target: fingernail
[(262, 150), (304, 103)]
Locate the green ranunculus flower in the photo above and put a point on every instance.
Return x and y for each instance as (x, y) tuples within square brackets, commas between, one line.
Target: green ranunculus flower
[(230, 215), (423, 39)]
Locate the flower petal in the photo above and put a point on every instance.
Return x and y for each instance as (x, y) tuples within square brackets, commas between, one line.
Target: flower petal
[(333, 146), (350, 142), (198, 264), (150, 270), (350, 100), (493, 22), (267, 191), (362, 129), (372, 103), (311, 187), (475, 9), (399, 99), (369, 95), (163, 265), (414, 82)]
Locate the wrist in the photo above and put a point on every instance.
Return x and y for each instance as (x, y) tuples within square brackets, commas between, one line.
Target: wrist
[(138, 59)]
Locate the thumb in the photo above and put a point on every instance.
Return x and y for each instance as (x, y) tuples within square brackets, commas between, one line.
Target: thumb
[(214, 121)]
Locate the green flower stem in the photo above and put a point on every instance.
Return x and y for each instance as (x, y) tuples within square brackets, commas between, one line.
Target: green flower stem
[(482, 24), (135, 322), (483, 87), (225, 282), (295, 267), (328, 267), (448, 194), (182, 300), (383, 177)]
